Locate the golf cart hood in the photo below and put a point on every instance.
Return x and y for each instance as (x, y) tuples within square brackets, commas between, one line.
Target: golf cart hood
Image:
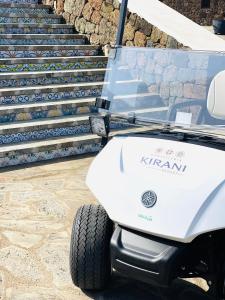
[(187, 180)]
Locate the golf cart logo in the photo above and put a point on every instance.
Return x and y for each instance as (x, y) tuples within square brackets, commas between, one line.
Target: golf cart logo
[(170, 152), (166, 160), (149, 199)]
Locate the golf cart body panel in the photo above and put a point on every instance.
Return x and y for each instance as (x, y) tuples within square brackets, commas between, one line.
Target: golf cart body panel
[(184, 91), (188, 180), (161, 181)]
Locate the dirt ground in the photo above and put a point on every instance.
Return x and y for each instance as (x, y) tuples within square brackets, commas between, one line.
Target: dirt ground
[(37, 207)]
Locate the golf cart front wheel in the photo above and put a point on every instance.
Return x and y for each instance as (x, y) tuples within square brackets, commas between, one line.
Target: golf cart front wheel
[(90, 264)]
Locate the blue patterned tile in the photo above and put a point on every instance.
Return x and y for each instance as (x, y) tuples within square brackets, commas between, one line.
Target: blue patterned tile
[(43, 134), (51, 96), (35, 30), (23, 158), (31, 41), (22, 11), (19, 1), (41, 81), (30, 20), (46, 53), (52, 66)]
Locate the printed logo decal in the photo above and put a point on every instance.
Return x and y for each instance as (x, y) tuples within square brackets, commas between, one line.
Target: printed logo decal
[(166, 160), (164, 165)]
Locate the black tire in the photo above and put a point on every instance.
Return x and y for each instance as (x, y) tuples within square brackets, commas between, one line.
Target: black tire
[(90, 264)]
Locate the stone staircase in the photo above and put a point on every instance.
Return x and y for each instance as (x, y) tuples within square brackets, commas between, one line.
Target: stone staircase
[(49, 79)]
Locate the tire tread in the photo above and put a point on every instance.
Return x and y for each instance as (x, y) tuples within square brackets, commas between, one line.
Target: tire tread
[(89, 249)]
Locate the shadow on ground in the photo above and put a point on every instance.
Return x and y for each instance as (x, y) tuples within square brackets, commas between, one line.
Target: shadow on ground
[(124, 289)]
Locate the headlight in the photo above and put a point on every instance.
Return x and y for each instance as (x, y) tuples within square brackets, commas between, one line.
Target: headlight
[(100, 125)]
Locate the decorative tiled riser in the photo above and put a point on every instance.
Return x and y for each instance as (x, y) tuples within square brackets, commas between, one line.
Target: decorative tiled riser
[(52, 66), (36, 30), (51, 80), (46, 53), (27, 20), (25, 136), (44, 134), (35, 114), (17, 159), (20, 1), (22, 11), (41, 42), (52, 96)]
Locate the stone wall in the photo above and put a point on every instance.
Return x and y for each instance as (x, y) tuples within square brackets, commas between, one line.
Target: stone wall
[(193, 9), (99, 19)]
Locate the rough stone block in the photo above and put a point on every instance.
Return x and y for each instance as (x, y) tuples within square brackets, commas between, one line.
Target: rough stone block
[(193, 91), (176, 89), (164, 39), (80, 25), (90, 27), (74, 6), (139, 39), (132, 19), (156, 35), (114, 17), (60, 6), (129, 44), (171, 43), (106, 9), (170, 74), (87, 11), (116, 4), (164, 90), (143, 26), (95, 39), (129, 32), (96, 17), (96, 4)]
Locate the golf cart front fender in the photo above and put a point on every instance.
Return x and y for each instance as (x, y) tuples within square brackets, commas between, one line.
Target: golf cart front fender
[(187, 181)]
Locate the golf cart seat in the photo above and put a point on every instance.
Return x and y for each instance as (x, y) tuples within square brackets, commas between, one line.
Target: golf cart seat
[(216, 97), (211, 112)]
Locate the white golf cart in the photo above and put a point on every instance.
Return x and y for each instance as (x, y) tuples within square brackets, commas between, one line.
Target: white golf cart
[(161, 181)]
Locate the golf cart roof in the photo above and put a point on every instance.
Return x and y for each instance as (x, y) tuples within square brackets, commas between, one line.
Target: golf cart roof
[(180, 88)]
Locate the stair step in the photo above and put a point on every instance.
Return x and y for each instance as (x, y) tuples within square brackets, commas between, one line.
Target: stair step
[(50, 93), (65, 92), (12, 28), (30, 19), (48, 51), (19, 1), (35, 111), (29, 152), (49, 77), (42, 39), (43, 144), (52, 63), (47, 150), (20, 132), (18, 8)]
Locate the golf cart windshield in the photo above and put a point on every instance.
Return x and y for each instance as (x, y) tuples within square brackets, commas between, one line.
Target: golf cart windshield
[(164, 86)]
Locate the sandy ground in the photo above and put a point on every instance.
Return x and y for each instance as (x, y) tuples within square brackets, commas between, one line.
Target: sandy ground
[(37, 207)]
